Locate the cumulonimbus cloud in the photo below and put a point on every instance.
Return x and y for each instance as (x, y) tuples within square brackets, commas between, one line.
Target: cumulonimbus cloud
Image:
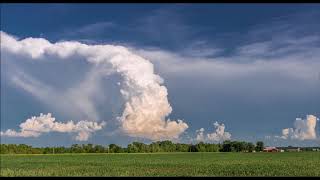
[(146, 102), (304, 129), (45, 123), (217, 136)]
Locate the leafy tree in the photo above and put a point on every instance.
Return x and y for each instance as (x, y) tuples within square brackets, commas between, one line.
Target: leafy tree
[(132, 148), (98, 149), (4, 149), (135, 147), (113, 148), (259, 146), (155, 147), (76, 148), (250, 147), (193, 148), (141, 147), (182, 147), (226, 146), (167, 146), (212, 147), (201, 147)]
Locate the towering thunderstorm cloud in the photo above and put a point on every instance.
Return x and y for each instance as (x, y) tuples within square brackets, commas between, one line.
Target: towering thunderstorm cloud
[(217, 136), (146, 104), (304, 129)]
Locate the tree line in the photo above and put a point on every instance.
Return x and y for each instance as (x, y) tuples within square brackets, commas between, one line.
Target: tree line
[(135, 147)]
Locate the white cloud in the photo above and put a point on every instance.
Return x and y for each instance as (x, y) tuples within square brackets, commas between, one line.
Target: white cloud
[(95, 27), (302, 65), (200, 137), (218, 135), (279, 47), (77, 99), (304, 129), (146, 105), (200, 49), (45, 123)]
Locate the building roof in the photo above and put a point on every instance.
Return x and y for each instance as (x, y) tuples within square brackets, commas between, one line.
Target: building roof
[(270, 148)]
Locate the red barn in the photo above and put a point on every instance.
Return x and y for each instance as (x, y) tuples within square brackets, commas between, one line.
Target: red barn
[(270, 149)]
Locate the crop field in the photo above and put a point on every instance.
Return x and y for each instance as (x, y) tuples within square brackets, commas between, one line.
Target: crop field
[(163, 164)]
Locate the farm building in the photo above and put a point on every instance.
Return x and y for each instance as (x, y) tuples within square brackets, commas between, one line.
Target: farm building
[(293, 150), (270, 149)]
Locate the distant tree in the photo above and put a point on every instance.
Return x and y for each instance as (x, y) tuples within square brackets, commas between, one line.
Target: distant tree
[(212, 147), (192, 148), (136, 147), (76, 148), (88, 148), (4, 149), (59, 150), (226, 146), (236, 146), (37, 151), (47, 150), (141, 147), (250, 147), (113, 148), (98, 149), (132, 148), (201, 147), (155, 147), (182, 147), (259, 146), (242, 146), (167, 146)]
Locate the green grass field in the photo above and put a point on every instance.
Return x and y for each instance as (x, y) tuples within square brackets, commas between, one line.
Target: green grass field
[(163, 164)]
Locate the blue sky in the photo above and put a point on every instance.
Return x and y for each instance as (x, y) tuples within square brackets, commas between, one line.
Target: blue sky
[(252, 67)]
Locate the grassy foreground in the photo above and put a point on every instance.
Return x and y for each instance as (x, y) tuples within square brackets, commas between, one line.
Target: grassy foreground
[(163, 164)]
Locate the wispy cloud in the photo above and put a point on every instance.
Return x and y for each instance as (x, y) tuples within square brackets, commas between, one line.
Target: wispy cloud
[(89, 30), (78, 100), (280, 47), (200, 49), (95, 27), (297, 61)]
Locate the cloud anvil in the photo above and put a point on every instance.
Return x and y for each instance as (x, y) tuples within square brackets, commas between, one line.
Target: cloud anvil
[(146, 102)]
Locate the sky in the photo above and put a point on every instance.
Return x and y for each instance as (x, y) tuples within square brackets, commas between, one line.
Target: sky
[(117, 73)]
